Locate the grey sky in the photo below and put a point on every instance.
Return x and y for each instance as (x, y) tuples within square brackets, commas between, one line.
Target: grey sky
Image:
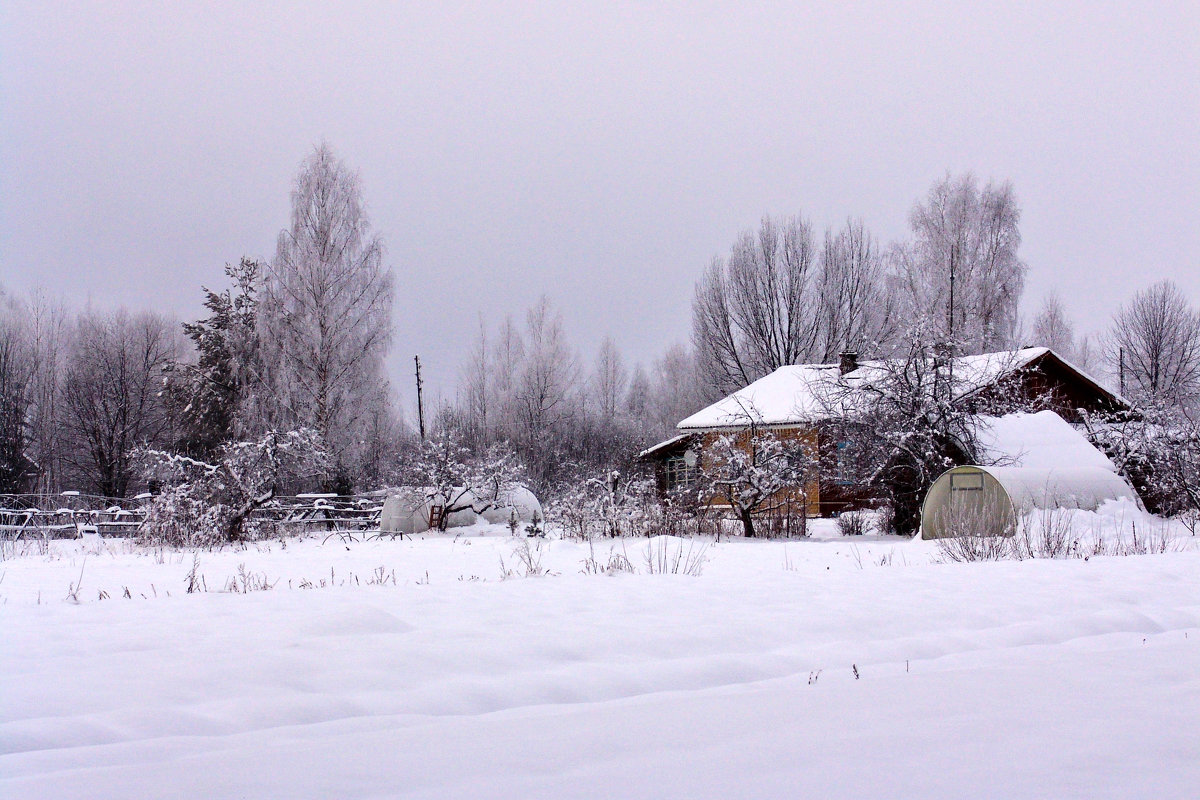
[(600, 156)]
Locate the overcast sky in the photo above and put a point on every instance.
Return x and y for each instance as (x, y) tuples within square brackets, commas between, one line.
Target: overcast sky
[(601, 157)]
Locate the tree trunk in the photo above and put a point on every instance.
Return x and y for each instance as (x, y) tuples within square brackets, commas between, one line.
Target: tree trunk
[(233, 532), (747, 524)]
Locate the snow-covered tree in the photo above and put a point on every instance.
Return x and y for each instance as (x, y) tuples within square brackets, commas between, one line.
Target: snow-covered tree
[(215, 394), (48, 326), (910, 422), (973, 235), (1157, 448), (325, 310), (455, 479), (213, 502), (610, 379), (1052, 328), (756, 472)]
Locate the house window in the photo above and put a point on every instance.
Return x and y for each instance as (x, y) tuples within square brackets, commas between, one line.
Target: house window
[(682, 471), (845, 468)]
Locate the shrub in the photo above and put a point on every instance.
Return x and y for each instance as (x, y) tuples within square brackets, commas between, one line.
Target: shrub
[(853, 523)]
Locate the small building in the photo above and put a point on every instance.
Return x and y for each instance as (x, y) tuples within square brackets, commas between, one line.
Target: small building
[(795, 402)]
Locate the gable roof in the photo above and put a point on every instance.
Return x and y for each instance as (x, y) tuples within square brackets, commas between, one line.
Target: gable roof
[(803, 393)]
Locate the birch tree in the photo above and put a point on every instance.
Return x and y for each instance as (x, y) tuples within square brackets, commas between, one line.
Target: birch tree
[(973, 234), (610, 379), (1052, 328), (326, 308)]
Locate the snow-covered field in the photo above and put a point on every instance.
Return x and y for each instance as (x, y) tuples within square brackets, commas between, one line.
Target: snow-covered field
[(817, 668)]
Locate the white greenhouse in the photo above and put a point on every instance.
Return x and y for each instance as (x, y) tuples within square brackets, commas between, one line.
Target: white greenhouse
[(1042, 463)]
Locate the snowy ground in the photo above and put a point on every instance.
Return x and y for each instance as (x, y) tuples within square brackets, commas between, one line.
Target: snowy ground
[(821, 668)]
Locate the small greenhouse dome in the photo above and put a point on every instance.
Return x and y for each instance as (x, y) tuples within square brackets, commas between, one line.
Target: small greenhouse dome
[(521, 500), (405, 512), (989, 500)]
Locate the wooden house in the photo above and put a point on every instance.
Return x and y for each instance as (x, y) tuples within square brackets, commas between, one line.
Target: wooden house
[(797, 402)]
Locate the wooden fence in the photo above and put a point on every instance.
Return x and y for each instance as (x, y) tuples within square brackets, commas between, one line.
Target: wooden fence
[(72, 514)]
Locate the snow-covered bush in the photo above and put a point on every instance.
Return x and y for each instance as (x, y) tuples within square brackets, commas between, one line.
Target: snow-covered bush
[(1158, 449), (206, 504), (854, 523), (606, 505)]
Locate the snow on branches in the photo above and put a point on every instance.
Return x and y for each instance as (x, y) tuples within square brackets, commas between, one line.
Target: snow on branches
[(212, 503), (457, 480), (758, 472)]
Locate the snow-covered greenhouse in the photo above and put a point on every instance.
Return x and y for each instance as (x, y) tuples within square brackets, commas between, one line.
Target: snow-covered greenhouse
[(1041, 461)]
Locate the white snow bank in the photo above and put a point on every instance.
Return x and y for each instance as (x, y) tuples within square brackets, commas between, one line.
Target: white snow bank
[(447, 682)]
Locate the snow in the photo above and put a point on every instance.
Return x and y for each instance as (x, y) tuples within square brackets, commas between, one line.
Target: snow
[(1065, 678), (1062, 487), (806, 393), (1043, 441), (1043, 462), (787, 396)]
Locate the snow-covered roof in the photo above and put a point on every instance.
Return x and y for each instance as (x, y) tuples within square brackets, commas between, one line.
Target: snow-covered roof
[(788, 395), (665, 445), (803, 393), (1037, 441)]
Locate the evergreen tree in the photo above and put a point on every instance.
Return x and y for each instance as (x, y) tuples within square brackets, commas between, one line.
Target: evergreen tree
[(213, 394)]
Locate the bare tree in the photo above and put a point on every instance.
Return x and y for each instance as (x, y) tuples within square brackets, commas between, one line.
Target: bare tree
[(476, 381), (549, 373), (17, 471), (855, 306), (609, 379), (675, 390), (325, 316), (1052, 328), (754, 313), (973, 236), (1156, 339), (113, 393)]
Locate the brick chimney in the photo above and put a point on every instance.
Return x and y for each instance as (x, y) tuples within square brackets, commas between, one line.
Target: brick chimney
[(848, 361)]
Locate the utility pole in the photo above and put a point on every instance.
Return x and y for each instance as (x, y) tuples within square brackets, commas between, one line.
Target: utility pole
[(1121, 369), (950, 325), (420, 404)]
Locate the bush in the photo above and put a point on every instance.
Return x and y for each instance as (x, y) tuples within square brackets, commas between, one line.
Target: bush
[(210, 504), (853, 523)]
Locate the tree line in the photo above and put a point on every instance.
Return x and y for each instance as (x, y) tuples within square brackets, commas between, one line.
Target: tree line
[(298, 342)]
